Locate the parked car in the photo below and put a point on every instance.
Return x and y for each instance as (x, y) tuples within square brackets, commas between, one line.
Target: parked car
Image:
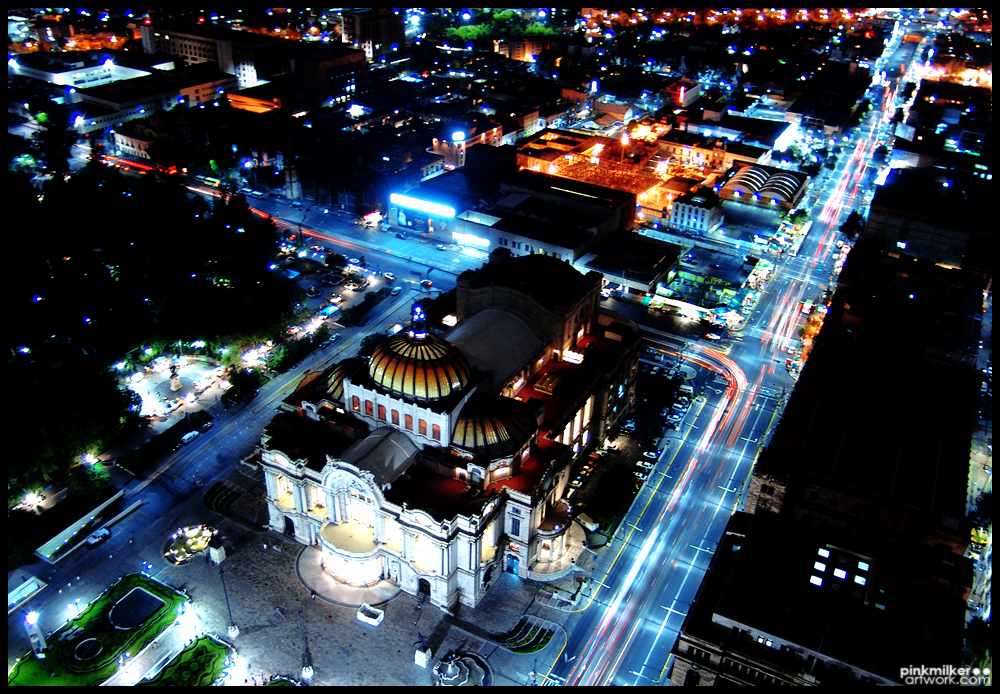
[(442, 247), (652, 455), (389, 276), (644, 465), (395, 291), (400, 234)]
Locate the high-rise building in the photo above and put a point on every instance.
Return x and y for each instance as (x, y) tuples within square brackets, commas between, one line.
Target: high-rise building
[(377, 32), (251, 57)]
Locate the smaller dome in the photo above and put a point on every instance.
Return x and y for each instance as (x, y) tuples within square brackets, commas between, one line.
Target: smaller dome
[(492, 426), (334, 386)]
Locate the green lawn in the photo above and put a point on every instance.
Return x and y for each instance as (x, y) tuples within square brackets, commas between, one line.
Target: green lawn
[(93, 623), (198, 665)]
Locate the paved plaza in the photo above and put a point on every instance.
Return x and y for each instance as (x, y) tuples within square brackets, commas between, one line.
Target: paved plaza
[(270, 579)]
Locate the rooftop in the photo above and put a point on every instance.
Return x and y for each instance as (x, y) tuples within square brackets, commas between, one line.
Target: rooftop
[(548, 281), (445, 498), (786, 584)]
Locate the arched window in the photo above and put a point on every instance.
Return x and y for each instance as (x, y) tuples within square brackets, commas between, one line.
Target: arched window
[(422, 427), (435, 432), (369, 408), (355, 403), (395, 417), (409, 422), (381, 412)]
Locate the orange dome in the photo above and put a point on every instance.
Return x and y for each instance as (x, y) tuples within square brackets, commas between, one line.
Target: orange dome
[(422, 367)]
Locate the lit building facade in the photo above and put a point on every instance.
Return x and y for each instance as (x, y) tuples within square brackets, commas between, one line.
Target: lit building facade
[(442, 461), (698, 212), (250, 57)]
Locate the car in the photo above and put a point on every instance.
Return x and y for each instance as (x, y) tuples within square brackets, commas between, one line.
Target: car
[(400, 235), (576, 482), (205, 427), (426, 284), (641, 476), (644, 465), (652, 455), (395, 291), (389, 276), (442, 247), (98, 536), (354, 261)]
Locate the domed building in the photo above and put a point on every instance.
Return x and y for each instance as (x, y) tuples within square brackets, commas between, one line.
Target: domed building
[(444, 459)]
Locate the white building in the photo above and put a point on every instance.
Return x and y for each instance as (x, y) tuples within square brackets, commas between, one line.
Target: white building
[(438, 463)]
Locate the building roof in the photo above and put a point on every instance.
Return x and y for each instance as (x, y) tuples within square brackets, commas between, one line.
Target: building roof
[(216, 33), (386, 453), (156, 83), (497, 342), (301, 439), (776, 580), (548, 281), (493, 426)]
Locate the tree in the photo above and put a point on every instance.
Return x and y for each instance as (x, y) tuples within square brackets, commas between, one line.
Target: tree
[(370, 343), (89, 481), (54, 141), (245, 383)]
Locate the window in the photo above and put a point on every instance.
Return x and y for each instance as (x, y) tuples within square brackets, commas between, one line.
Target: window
[(435, 432), (369, 408), (409, 422), (355, 403), (395, 417), (422, 427), (381, 412), (515, 526)]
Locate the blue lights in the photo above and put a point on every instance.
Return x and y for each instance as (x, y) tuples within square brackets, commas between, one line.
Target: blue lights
[(422, 205)]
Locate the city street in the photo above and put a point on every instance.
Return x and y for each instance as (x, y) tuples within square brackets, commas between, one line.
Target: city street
[(650, 574)]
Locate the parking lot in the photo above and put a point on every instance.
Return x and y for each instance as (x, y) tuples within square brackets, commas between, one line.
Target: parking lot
[(614, 473)]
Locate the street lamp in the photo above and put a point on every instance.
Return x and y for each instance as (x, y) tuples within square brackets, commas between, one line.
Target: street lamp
[(234, 630), (307, 669), (188, 402)]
